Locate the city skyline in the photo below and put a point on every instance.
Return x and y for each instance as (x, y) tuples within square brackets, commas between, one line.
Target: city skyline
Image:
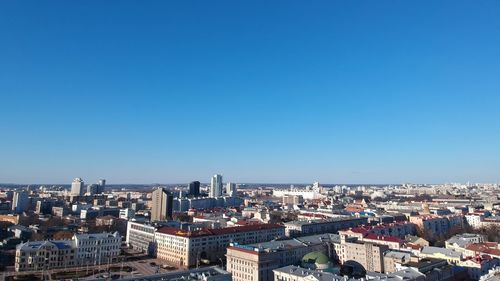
[(339, 92)]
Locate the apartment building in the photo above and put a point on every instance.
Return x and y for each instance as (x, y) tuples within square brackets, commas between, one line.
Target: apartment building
[(185, 248), (436, 226), (397, 229), (141, 237), (369, 255)]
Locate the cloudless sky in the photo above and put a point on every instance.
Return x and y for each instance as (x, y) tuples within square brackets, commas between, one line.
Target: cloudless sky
[(260, 91)]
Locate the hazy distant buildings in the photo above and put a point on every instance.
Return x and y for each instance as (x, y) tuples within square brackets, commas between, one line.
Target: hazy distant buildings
[(102, 185), (292, 199), (96, 188), (92, 189), (194, 189), (20, 201), (231, 189), (77, 188), (203, 203), (216, 186), (162, 205), (306, 193)]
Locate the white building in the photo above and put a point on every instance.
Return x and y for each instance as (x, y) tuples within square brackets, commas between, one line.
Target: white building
[(474, 220), (20, 201), (306, 193), (77, 188), (82, 249), (231, 189), (127, 213), (216, 186), (96, 249), (141, 237)]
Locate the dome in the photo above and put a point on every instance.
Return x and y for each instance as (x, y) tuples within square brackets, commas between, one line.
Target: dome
[(316, 260)]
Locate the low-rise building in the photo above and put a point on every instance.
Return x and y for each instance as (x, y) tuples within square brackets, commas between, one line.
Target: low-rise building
[(82, 249), (433, 269), (486, 248), (44, 255), (333, 225), (397, 229), (295, 273), (451, 256), (99, 248), (460, 241), (256, 262), (479, 265)]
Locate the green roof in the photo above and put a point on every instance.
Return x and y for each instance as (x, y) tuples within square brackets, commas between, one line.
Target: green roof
[(316, 257)]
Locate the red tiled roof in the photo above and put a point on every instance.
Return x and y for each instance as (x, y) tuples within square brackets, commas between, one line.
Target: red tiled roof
[(247, 222), (367, 228), (354, 209), (373, 236), (487, 248), (414, 246), (312, 215)]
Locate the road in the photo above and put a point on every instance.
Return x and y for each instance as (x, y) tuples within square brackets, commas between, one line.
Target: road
[(142, 268)]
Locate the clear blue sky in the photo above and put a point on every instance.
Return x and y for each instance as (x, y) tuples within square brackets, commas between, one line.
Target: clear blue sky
[(260, 91)]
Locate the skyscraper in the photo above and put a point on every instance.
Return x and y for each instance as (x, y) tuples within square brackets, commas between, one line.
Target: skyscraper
[(216, 186), (93, 189), (77, 187), (102, 185), (20, 201), (231, 189), (162, 205), (194, 188)]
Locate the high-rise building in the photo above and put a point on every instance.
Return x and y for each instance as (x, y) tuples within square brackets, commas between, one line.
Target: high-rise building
[(162, 205), (231, 189), (92, 189), (20, 201), (216, 186), (194, 188), (102, 185), (77, 187)]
